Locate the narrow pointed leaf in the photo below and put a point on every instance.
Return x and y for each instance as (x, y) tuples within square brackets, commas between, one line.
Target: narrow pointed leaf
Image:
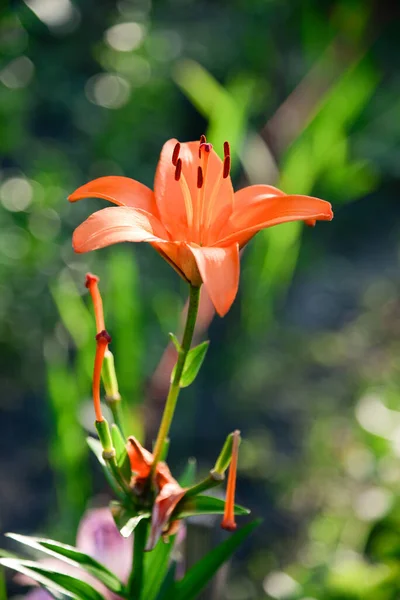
[(126, 519), (205, 505), (122, 455), (58, 583), (200, 574), (188, 477), (169, 580), (155, 568), (74, 557), (193, 363), (175, 341)]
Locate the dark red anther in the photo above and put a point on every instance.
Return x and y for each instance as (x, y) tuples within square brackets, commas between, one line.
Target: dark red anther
[(175, 154), (199, 177), (103, 336), (227, 166), (227, 150), (90, 278), (178, 169)]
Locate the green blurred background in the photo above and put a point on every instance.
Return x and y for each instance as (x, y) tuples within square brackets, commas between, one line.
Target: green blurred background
[(307, 362)]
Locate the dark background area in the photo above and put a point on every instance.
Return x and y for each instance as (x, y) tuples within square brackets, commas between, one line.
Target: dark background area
[(306, 363)]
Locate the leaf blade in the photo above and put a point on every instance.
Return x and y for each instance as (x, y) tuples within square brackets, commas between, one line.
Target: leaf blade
[(58, 583), (200, 574), (74, 557), (205, 505)]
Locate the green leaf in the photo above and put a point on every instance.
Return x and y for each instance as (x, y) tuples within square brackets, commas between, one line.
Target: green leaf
[(155, 567), (175, 341), (193, 363), (126, 519), (168, 581), (188, 477), (122, 455), (97, 450), (200, 574), (58, 584), (205, 505), (74, 557)]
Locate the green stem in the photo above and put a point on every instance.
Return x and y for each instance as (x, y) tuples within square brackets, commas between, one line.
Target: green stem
[(207, 483), (135, 582), (174, 389)]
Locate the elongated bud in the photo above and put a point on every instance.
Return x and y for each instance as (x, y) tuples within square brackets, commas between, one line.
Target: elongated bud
[(110, 378), (92, 285), (102, 339), (103, 430), (228, 521)]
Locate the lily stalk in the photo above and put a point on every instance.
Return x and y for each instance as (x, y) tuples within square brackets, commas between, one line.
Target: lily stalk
[(174, 388)]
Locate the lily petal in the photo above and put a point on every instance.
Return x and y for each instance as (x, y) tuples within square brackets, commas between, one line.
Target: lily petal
[(252, 194), (178, 255), (273, 210), (122, 191), (164, 505), (219, 269), (140, 459), (117, 224)]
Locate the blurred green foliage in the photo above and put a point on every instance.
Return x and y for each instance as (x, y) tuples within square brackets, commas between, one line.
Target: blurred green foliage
[(306, 363)]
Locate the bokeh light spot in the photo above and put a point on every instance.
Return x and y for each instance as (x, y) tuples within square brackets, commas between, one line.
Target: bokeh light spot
[(16, 194), (18, 73), (373, 503), (107, 90), (280, 585), (125, 36), (60, 16)]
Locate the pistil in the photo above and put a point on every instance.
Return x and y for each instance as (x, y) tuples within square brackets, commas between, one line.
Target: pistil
[(179, 176)]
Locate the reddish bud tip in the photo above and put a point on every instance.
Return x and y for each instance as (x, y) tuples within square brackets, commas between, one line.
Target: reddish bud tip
[(175, 154), (203, 139), (311, 222), (103, 336), (227, 150), (90, 278), (228, 525), (199, 177), (178, 169), (227, 166)]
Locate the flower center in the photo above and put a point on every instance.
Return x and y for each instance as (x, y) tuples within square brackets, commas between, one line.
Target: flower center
[(200, 209)]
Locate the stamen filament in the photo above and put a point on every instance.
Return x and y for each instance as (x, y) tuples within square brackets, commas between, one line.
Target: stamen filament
[(228, 521), (91, 284), (187, 199), (102, 339), (205, 156)]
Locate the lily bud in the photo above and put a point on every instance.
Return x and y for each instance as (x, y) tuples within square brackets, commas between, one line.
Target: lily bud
[(228, 521)]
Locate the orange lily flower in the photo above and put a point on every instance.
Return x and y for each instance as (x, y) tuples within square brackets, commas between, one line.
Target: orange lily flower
[(169, 492), (193, 218)]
